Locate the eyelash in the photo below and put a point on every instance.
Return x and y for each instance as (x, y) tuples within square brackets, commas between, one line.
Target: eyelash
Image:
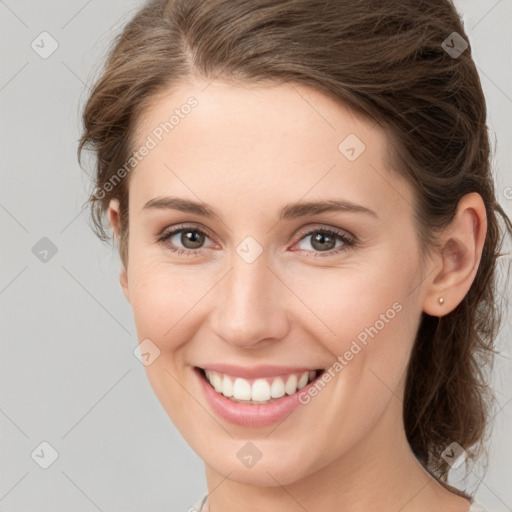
[(348, 242)]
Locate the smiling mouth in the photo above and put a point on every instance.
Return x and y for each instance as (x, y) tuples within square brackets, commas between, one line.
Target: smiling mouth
[(259, 391)]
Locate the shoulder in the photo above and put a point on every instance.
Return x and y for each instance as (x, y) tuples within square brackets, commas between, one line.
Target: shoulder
[(476, 507), (200, 505)]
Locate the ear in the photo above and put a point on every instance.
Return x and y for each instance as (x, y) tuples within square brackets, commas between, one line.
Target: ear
[(115, 222), (456, 263)]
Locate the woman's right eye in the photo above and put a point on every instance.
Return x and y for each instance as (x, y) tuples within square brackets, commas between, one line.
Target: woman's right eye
[(191, 236)]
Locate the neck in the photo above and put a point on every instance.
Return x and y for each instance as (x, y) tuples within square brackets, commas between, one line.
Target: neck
[(380, 473)]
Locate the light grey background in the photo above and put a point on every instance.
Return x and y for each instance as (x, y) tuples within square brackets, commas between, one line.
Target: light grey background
[(68, 375)]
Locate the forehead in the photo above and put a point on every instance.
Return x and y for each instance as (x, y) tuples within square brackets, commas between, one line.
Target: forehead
[(261, 143)]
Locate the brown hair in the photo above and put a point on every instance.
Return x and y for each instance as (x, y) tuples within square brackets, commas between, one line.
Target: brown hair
[(384, 60)]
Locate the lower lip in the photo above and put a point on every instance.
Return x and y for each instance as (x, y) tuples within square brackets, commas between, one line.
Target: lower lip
[(247, 415)]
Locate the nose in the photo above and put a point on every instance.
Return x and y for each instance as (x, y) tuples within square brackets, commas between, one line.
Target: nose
[(251, 305)]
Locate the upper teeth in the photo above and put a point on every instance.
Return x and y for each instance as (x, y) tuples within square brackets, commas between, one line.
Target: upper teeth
[(261, 389)]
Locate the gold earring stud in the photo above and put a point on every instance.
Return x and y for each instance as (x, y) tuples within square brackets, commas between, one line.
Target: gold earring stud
[(441, 300)]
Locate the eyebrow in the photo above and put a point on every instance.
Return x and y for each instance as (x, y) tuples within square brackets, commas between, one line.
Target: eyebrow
[(290, 211)]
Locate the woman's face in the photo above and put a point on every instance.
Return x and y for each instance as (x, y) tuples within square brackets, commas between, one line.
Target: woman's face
[(261, 287)]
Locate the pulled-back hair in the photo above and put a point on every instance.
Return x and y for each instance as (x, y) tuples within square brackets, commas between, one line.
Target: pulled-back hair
[(387, 62)]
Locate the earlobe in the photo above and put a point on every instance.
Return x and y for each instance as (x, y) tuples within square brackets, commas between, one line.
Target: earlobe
[(458, 257), (123, 281)]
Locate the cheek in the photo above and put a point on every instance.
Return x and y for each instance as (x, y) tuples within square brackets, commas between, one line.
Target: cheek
[(367, 315), (160, 309), (161, 294)]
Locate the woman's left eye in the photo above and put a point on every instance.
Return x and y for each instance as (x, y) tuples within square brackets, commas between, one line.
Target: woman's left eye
[(193, 238), (325, 240)]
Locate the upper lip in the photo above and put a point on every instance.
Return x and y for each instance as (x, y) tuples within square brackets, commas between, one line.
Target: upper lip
[(255, 371)]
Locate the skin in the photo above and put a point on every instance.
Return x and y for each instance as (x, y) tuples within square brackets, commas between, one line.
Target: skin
[(247, 151)]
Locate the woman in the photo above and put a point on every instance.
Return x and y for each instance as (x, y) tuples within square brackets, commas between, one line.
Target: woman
[(304, 208)]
